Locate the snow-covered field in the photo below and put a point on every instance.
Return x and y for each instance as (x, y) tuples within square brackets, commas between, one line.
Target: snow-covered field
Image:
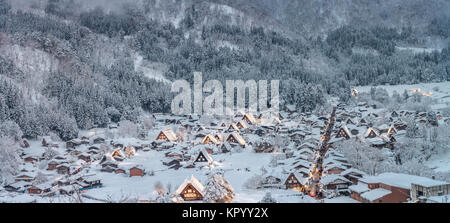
[(234, 166), (440, 95)]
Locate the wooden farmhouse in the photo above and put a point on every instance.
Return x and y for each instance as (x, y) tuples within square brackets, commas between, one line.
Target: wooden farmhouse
[(362, 122), (137, 171), (24, 178), (335, 168), (219, 137), (235, 138), (30, 159), (52, 165), (63, 169), (167, 135), (353, 175), (335, 182), (118, 155), (190, 190), (293, 181)]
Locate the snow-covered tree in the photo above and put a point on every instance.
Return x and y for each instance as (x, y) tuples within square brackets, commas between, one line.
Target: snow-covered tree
[(364, 157), (9, 159), (254, 182), (159, 188), (127, 129), (181, 133), (50, 153), (412, 131), (129, 151), (268, 198), (40, 178), (218, 190), (163, 195), (5, 6)]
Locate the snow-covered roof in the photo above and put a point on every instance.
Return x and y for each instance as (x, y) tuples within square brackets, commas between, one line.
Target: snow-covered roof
[(359, 188), (369, 130), (383, 127), (194, 182), (237, 137), (250, 117), (335, 165), (211, 138), (353, 171), (206, 155), (328, 179), (374, 194), (170, 134), (242, 124), (299, 177), (402, 180)]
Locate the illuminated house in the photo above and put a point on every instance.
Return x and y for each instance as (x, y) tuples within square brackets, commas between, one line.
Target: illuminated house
[(293, 181), (249, 118), (362, 122), (235, 138), (391, 130), (241, 125), (343, 133), (233, 127), (209, 139), (167, 135), (371, 133), (203, 156), (190, 190)]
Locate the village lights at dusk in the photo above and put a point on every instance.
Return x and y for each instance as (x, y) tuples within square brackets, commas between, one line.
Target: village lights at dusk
[(224, 110)]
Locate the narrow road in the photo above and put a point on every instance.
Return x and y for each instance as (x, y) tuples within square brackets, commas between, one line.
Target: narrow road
[(313, 184)]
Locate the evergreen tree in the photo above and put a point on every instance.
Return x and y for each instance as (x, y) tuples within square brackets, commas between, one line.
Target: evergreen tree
[(5, 6), (268, 198), (218, 190)]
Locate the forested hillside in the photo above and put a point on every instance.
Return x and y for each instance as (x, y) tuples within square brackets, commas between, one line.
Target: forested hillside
[(67, 65)]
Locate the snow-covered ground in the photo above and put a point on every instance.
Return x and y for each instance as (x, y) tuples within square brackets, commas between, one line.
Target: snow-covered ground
[(440, 163), (436, 91)]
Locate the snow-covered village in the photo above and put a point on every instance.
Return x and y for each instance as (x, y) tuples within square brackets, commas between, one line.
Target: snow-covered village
[(326, 101), (358, 152)]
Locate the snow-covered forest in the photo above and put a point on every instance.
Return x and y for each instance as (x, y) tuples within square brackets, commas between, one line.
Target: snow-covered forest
[(85, 76)]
